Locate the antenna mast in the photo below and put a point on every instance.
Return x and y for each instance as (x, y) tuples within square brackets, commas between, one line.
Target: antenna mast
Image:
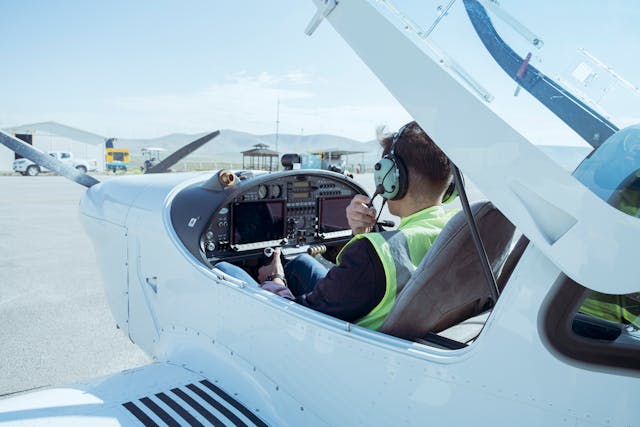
[(277, 122)]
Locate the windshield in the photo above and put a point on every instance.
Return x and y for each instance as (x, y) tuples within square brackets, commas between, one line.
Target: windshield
[(584, 49)]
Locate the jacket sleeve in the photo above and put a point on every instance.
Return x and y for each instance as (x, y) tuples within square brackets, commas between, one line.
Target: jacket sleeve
[(277, 288), (352, 289)]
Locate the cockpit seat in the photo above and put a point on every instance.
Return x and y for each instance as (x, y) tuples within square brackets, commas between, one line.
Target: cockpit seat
[(448, 286)]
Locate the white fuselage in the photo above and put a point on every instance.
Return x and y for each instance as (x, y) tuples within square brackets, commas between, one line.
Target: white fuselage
[(312, 369), (294, 366)]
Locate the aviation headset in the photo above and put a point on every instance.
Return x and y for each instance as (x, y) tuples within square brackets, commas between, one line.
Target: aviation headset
[(391, 176)]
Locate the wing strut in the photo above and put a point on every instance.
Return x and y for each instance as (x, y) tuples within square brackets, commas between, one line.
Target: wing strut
[(475, 234)]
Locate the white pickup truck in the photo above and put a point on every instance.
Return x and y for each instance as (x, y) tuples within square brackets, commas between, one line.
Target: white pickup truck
[(27, 167)]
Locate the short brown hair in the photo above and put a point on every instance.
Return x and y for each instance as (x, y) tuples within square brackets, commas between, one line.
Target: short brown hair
[(425, 162)]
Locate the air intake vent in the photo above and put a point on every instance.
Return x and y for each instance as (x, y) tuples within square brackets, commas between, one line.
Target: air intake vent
[(197, 404)]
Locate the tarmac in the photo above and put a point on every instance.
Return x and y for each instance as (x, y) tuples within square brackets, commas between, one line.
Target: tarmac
[(55, 324)]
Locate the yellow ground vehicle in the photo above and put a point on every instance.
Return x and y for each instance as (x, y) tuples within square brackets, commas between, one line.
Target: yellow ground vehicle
[(117, 159)]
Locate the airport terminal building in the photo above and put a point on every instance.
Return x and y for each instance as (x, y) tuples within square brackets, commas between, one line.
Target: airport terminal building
[(52, 136)]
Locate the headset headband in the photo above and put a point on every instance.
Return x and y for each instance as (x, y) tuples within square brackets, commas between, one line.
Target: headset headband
[(396, 137)]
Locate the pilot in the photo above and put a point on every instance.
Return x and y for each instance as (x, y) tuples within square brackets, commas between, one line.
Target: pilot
[(413, 176)]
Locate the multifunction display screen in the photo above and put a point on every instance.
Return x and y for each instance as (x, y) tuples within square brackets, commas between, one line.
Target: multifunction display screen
[(257, 222), (333, 214)]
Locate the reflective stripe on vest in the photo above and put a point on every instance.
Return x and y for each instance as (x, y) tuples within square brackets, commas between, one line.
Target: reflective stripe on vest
[(400, 251)]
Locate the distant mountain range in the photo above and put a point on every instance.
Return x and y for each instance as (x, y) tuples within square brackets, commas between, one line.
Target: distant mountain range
[(229, 145), (226, 147)]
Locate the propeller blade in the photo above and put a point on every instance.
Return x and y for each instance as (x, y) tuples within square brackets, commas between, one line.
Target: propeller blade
[(174, 158), (43, 159)]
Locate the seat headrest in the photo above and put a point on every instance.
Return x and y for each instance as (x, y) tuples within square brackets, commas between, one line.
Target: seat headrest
[(448, 286)]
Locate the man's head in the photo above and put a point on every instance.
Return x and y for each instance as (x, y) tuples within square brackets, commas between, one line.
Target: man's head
[(413, 166)]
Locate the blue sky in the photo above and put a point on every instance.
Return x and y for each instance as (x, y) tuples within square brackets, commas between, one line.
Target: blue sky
[(145, 69), (142, 69)]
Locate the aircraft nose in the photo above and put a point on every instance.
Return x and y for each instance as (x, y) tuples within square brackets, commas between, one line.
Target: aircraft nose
[(109, 200)]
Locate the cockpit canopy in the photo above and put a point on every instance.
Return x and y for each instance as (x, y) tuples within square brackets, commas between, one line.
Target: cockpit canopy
[(612, 171)]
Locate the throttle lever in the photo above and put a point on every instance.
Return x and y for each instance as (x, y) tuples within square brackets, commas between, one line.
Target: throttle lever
[(267, 254)]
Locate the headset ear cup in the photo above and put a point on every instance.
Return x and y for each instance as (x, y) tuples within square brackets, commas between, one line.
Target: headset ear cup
[(385, 175), (451, 193), (402, 178)]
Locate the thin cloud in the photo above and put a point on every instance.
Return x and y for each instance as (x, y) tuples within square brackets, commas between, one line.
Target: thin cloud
[(250, 103), (243, 101)]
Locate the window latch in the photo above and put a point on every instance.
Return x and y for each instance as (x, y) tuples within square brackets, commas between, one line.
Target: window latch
[(324, 9)]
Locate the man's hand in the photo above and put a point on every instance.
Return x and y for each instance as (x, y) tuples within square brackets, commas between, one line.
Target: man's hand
[(274, 267), (361, 217)]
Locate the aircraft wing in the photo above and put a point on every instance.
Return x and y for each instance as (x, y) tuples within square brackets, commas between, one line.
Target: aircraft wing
[(154, 395)]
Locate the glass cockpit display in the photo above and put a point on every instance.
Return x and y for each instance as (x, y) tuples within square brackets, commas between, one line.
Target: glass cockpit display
[(257, 222), (333, 215)]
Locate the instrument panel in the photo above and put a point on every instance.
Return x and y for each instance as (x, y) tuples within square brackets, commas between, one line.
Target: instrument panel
[(298, 211)]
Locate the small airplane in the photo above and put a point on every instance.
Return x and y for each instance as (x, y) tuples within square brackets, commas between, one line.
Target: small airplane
[(486, 332)]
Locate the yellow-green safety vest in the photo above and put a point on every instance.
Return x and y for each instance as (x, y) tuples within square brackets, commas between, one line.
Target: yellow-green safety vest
[(616, 308), (400, 251)]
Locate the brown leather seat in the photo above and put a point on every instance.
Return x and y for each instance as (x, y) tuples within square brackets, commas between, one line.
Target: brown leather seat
[(448, 286)]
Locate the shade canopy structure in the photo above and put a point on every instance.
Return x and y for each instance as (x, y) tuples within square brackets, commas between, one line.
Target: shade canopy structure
[(260, 157)]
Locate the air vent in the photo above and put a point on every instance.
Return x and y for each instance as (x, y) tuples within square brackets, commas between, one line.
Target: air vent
[(197, 404)]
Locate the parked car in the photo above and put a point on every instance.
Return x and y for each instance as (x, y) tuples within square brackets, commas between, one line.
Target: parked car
[(27, 167)]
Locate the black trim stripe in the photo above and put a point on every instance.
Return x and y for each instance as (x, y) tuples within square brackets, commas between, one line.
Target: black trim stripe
[(140, 415), (179, 410), (257, 421), (221, 408), (198, 407), (161, 413)]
